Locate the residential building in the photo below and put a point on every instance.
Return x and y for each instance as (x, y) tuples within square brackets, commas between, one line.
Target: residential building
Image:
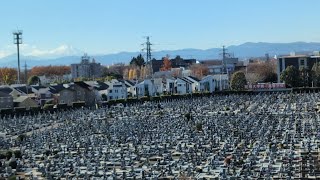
[(6, 100), (221, 81), (67, 96), (25, 102), (175, 63), (195, 83), (131, 88), (116, 90), (43, 94), (184, 86), (170, 86), (101, 89), (217, 66), (298, 61), (84, 93), (24, 91), (86, 68), (207, 84), (158, 85), (146, 88), (11, 91)]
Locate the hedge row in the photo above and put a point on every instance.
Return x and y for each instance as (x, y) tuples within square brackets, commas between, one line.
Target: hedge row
[(35, 110)]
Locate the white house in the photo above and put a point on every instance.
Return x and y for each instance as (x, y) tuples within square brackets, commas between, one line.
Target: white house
[(170, 86), (146, 88), (131, 88), (195, 83), (207, 84), (158, 86), (116, 90), (183, 86), (221, 81)]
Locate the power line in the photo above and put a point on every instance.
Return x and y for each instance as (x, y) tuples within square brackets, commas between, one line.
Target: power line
[(17, 39)]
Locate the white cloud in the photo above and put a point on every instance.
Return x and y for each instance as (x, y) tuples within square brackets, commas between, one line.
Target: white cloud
[(4, 54), (32, 50)]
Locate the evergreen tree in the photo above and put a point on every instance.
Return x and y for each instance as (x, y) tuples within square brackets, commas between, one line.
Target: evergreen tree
[(238, 80), (291, 76)]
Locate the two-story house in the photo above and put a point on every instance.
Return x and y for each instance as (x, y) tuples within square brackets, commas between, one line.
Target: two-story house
[(116, 90), (207, 84), (84, 93)]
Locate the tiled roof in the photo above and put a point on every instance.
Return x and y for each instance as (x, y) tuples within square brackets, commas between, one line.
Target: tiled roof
[(83, 85), (24, 89), (6, 90)]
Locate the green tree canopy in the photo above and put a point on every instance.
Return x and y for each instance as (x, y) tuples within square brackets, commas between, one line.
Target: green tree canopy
[(33, 80), (138, 61), (238, 80), (291, 76)]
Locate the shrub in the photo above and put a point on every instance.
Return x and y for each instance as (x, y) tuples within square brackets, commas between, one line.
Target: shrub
[(18, 154), (21, 137), (199, 126), (48, 106), (188, 116), (8, 155), (13, 164)]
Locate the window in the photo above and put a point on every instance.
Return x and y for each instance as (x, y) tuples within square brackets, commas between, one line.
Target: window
[(110, 91), (302, 63), (110, 97)]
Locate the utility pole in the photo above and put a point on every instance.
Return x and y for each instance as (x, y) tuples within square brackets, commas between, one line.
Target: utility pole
[(25, 72), (148, 50), (17, 39)]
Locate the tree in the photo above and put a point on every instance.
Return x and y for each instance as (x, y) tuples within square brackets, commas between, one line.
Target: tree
[(142, 72), (8, 75), (199, 70), (33, 80), (50, 70), (137, 61), (261, 72), (130, 74), (135, 73), (305, 78), (315, 74), (238, 80), (115, 70), (290, 76), (166, 66), (126, 74)]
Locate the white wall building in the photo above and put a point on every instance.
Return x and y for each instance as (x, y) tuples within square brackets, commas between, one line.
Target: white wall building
[(207, 84), (116, 90), (221, 81)]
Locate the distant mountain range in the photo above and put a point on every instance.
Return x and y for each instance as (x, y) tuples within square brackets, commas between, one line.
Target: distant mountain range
[(243, 51)]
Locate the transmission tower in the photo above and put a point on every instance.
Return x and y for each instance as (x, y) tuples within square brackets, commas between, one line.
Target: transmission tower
[(148, 50), (224, 58), (17, 39)]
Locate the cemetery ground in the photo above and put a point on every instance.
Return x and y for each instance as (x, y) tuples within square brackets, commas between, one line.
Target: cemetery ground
[(271, 135)]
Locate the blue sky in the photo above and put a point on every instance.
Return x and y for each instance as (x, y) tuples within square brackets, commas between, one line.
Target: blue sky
[(110, 26)]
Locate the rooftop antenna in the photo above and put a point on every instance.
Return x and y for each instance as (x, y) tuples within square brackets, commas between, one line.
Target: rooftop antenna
[(17, 39)]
